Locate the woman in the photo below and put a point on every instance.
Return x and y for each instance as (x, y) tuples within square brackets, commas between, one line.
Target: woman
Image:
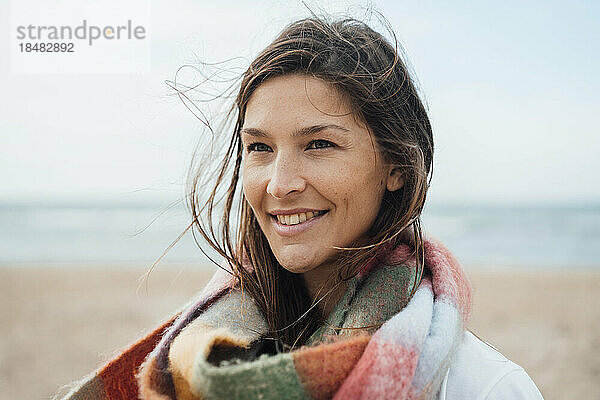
[(332, 290)]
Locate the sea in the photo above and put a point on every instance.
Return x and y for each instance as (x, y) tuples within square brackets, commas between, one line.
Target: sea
[(482, 235)]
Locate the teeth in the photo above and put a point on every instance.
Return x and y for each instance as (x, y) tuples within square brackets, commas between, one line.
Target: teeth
[(295, 219)]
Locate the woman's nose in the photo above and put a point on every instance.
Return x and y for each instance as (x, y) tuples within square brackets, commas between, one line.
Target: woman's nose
[(285, 178)]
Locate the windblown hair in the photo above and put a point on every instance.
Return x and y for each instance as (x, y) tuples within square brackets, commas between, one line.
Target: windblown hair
[(366, 69)]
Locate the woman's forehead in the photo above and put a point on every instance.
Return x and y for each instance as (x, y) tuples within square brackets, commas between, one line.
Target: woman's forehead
[(296, 99)]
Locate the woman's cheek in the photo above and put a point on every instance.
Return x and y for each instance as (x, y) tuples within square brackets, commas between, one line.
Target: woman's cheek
[(252, 181)]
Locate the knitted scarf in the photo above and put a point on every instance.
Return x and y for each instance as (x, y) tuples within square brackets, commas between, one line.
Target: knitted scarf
[(214, 348)]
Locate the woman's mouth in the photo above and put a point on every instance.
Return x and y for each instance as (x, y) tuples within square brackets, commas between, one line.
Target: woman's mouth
[(296, 223), (295, 219)]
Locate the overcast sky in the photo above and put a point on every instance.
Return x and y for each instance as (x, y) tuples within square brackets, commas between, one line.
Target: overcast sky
[(512, 90)]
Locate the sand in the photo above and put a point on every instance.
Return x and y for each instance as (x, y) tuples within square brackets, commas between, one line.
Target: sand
[(60, 322)]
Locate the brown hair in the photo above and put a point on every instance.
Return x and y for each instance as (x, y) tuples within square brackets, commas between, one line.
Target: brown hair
[(364, 67)]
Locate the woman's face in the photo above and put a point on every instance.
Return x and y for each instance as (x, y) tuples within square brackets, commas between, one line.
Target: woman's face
[(311, 173)]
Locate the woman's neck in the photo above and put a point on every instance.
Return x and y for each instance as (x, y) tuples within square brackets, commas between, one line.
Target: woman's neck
[(319, 282)]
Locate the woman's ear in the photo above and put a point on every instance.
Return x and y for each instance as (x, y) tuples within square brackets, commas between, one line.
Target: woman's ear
[(395, 180)]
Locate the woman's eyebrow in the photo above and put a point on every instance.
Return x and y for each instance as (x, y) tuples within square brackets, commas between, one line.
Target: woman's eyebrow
[(306, 131)]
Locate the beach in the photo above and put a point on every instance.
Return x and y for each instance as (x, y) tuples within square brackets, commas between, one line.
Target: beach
[(62, 321)]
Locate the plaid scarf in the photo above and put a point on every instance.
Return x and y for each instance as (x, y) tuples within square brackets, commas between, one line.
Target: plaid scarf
[(214, 348)]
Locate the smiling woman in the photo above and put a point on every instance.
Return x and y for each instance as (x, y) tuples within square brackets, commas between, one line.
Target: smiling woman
[(311, 174), (328, 286)]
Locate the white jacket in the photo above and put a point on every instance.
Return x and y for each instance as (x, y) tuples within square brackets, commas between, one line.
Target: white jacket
[(480, 372)]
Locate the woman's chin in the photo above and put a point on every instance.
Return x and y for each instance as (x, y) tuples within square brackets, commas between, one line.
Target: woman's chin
[(298, 263), (297, 268), (297, 257)]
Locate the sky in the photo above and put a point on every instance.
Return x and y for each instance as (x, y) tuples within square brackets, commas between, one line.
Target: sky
[(511, 88)]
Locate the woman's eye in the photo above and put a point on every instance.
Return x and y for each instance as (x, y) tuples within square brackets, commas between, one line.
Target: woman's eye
[(258, 147), (320, 144)]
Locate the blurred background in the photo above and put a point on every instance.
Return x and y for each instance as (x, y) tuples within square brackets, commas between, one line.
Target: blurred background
[(95, 162)]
